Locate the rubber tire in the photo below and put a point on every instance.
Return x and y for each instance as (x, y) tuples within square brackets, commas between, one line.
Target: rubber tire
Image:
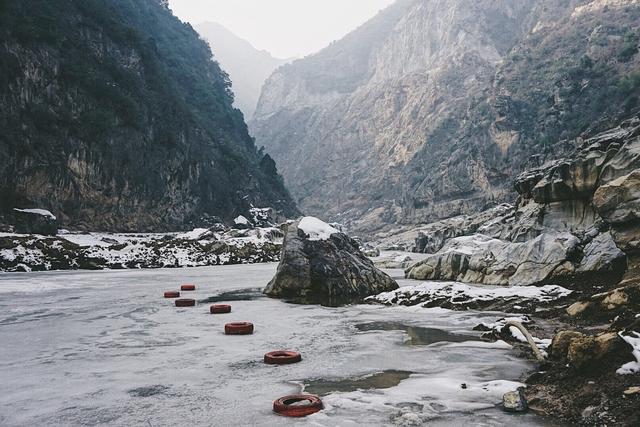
[(282, 357), (238, 328), (185, 302), (188, 287), (220, 309), (172, 294), (283, 406)]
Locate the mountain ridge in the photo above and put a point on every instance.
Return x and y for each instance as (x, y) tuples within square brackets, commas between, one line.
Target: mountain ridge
[(454, 103), (115, 118), (247, 66)]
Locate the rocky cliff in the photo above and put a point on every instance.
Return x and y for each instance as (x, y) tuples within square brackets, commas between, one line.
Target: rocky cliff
[(430, 109), (115, 117), (247, 66), (575, 222)]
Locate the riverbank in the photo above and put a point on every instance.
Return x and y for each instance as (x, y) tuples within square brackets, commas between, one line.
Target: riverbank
[(98, 251), (591, 373)]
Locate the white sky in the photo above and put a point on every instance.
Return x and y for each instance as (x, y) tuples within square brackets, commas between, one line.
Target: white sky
[(286, 28)]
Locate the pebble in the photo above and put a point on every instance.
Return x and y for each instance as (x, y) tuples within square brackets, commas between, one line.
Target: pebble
[(515, 401), (632, 390)]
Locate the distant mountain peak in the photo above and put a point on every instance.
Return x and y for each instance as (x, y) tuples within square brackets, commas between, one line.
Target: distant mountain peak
[(247, 66)]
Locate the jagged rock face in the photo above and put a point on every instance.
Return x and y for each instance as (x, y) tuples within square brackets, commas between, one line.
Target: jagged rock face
[(598, 183), (574, 219), (430, 109), (345, 123), (114, 117), (329, 269)]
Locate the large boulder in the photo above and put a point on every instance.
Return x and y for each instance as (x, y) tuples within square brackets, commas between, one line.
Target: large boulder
[(619, 200), (582, 351), (34, 221), (549, 258), (321, 265), (618, 203)]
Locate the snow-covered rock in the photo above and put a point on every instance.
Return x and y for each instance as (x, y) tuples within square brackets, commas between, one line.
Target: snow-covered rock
[(319, 264), (199, 247), (460, 296), (633, 339), (42, 212), (35, 221), (316, 229), (242, 222)]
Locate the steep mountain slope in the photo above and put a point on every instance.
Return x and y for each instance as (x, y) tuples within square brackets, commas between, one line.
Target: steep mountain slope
[(247, 66), (114, 117), (429, 109)]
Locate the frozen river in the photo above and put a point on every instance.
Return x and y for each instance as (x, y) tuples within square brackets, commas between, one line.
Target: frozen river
[(90, 348)]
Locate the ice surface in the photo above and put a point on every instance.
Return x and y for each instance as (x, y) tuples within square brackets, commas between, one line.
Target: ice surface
[(104, 347), (42, 212), (631, 367), (316, 229)]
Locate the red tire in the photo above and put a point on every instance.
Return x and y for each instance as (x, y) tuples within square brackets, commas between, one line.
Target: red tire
[(282, 357), (238, 328), (188, 287), (292, 406), (185, 302), (172, 294), (220, 309)]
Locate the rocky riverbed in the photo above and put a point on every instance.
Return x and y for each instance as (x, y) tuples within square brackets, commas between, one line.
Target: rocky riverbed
[(97, 251), (564, 257)]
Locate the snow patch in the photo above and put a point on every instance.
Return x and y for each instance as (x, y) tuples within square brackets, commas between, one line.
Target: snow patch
[(241, 220), (42, 212), (631, 367), (316, 229), (194, 234)]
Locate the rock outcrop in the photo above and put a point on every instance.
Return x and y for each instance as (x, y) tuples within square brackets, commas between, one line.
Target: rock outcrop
[(549, 258), (34, 221), (115, 117), (322, 265), (430, 109), (575, 222)]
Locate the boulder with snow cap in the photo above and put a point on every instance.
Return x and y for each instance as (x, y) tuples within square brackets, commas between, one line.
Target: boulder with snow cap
[(320, 264), (35, 221), (242, 223)]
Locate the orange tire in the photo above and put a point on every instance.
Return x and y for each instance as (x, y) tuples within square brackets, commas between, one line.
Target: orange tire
[(238, 328), (220, 309), (172, 294), (291, 406), (282, 357), (185, 302), (188, 287)]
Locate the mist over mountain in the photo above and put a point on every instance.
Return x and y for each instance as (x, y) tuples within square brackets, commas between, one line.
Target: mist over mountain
[(432, 107), (115, 117), (247, 66)]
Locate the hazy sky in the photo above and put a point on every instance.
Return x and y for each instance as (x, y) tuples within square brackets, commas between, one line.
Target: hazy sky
[(286, 28)]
